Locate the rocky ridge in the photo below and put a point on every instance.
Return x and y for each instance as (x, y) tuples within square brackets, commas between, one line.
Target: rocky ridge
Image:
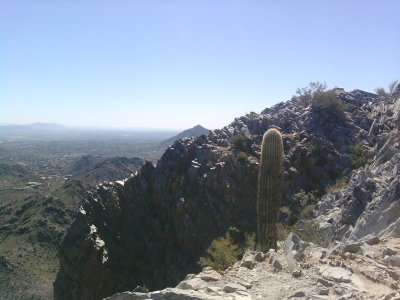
[(152, 228), (94, 169), (369, 205)]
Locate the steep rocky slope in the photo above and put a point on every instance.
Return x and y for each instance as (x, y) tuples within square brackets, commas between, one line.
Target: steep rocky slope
[(152, 228), (369, 205)]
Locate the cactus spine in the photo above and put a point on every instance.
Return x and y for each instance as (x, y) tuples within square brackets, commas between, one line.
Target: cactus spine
[(269, 188)]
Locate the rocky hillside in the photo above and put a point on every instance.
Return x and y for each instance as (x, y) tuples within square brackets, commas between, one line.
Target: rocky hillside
[(38, 198), (94, 169), (151, 229)]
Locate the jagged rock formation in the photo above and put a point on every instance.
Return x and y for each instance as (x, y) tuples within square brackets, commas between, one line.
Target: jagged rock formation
[(369, 205), (152, 228)]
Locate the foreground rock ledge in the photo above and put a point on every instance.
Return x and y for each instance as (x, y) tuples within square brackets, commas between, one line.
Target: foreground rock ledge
[(312, 273)]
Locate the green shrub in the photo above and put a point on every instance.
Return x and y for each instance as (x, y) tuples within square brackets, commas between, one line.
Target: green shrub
[(340, 183), (307, 212), (303, 205), (315, 149), (309, 232), (282, 231), (305, 95), (242, 156), (222, 253), (358, 156), (250, 241), (380, 91), (329, 102), (319, 98), (239, 142)]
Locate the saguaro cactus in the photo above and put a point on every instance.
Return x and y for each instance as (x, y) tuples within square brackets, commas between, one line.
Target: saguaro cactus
[(269, 188)]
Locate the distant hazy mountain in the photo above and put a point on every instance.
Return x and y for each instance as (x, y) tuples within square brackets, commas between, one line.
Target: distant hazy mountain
[(46, 126), (33, 126), (192, 132)]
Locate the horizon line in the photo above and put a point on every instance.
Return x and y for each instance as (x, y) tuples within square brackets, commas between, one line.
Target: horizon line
[(94, 127)]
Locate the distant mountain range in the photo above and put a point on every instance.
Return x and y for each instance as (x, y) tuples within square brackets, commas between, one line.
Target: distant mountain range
[(33, 126), (196, 131), (46, 126)]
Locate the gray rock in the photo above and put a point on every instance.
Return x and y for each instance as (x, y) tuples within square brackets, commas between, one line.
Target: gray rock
[(246, 284), (233, 287), (293, 255), (293, 265), (388, 251), (335, 274), (392, 261), (277, 264), (351, 247), (127, 296), (209, 275), (325, 282), (297, 256), (214, 289), (321, 290), (391, 296), (169, 293), (334, 252), (190, 276), (297, 272), (298, 294), (292, 242), (367, 251), (361, 194), (259, 257), (192, 284), (318, 297), (248, 262)]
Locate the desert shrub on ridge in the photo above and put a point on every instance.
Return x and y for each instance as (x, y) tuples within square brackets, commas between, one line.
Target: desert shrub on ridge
[(222, 253)]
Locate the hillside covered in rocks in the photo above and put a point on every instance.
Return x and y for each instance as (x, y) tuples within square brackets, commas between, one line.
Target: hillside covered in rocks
[(341, 179)]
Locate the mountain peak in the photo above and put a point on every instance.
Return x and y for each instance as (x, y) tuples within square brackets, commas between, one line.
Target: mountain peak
[(46, 126), (195, 131)]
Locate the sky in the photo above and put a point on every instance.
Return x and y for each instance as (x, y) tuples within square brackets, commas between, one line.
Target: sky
[(175, 64)]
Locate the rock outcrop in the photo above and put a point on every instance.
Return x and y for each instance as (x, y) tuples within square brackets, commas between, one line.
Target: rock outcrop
[(370, 204), (151, 229)]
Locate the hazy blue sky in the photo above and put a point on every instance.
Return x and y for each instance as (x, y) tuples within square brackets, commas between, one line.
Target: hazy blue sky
[(174, 64)]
